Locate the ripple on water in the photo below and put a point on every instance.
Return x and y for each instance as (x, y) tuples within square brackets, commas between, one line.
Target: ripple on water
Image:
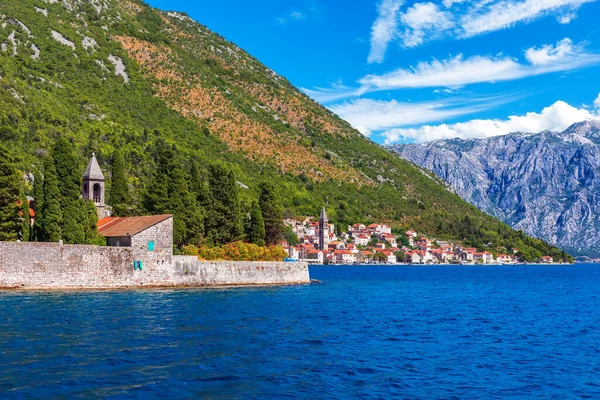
[(449, 332)]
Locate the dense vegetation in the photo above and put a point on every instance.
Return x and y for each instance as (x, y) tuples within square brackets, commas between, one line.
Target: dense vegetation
[(191, 116)]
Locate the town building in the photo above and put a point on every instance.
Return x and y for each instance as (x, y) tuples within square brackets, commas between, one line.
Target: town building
[(151, 232), (92, 186), (323, 230)]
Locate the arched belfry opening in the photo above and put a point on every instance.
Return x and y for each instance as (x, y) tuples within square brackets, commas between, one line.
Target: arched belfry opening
[(92, 185)]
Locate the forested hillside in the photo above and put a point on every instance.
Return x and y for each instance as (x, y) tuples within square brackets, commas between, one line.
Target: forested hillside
[(169, 94)]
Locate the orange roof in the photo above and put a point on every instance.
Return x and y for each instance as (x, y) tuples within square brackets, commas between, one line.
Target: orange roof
[(128, 226)]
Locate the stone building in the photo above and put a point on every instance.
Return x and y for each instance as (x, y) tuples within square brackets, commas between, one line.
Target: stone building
[(92, 186), (323, 230), (152, 232)]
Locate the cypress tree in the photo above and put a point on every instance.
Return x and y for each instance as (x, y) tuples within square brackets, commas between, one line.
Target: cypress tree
[(168, 192), (256, 233), (74, 222), (68, 171), (51, 221), (188, 222), (272, 213), (38, 196), (119, 197), (72, 206), (91, 231), (10, 190), (223, 223)]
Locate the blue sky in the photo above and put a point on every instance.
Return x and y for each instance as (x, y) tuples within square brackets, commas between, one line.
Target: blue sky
[(406, 71)]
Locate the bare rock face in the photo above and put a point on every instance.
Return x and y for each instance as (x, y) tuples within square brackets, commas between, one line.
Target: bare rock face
[(546, 184)]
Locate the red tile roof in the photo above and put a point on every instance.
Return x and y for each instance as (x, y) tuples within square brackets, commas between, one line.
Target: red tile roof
[(128, 226)]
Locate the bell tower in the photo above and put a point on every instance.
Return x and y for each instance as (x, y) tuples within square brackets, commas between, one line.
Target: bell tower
[(92, 185), (323, 230)]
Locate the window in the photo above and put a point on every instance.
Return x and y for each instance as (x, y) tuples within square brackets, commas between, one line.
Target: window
[(138, 265), (151, 245)]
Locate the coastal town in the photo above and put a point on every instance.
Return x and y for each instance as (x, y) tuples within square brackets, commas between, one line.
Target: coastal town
[(377, 244)]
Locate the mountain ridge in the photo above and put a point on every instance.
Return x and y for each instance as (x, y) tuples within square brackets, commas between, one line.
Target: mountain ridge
[(119, 74), (546, 183)]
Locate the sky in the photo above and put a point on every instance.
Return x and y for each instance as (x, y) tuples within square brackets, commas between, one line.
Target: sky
[(415, 71)]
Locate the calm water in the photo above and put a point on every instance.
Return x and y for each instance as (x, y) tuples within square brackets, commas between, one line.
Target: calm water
[(368, 332)]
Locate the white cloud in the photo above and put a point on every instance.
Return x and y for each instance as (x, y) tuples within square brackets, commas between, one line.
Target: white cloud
[(450, 3), (505, 14), (336, 92), (297, 15), (566, 18), (556, 117), (459, 71), (423, 21), (384, 29), (367, 115), (549, 54), (597, 103)]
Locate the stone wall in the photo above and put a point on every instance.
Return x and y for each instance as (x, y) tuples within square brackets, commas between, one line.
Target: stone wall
[(56, 266), (161, 234)]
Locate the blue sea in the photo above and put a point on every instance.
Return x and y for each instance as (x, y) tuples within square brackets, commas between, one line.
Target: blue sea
[(463, 332)]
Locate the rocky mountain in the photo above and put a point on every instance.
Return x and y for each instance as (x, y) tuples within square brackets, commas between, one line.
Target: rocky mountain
[(546, 184), (109, 74)]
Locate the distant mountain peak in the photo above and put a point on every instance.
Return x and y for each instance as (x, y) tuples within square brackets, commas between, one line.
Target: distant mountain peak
[(546, 183)]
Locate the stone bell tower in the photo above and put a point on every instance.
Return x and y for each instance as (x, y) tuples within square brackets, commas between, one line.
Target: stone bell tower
[(323, 230), (92, 185)]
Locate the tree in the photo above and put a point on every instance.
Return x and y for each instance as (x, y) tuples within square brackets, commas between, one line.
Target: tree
[(256, 232), (290, 236), (38, 197), (68, 171), (400, 256), (272, 214), (51, 221), (10, 191), (74, 221), (224, 219), (91, 231), (119, 197), (168, 192)]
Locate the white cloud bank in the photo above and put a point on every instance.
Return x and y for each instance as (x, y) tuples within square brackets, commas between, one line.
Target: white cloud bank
[(367, 115), (426, 21), (556, 117), (459, 71), (384, 29)]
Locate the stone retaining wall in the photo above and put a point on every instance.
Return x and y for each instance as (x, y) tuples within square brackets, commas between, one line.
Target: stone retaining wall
[(56, 266)]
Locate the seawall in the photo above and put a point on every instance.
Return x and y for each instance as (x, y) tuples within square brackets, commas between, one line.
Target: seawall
[(57, 266)]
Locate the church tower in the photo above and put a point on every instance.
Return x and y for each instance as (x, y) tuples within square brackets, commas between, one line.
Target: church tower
[(323, 230), (92, 187)]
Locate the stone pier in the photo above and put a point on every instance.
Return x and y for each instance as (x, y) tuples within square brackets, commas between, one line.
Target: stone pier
[(57, 266)]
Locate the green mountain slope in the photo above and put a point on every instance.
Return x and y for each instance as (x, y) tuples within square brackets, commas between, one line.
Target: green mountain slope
[(112, 74)]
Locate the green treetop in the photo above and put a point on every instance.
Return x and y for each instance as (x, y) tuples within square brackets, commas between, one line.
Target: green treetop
[(224, 219), (10, 191), (119, 198), (168, 192), (50, 223), (272, 213), (256, 231)]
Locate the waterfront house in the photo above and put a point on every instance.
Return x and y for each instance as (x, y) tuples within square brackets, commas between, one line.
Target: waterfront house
[(315, 256), (547, 260), (151, 232), (344, 256), (362, 240)]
